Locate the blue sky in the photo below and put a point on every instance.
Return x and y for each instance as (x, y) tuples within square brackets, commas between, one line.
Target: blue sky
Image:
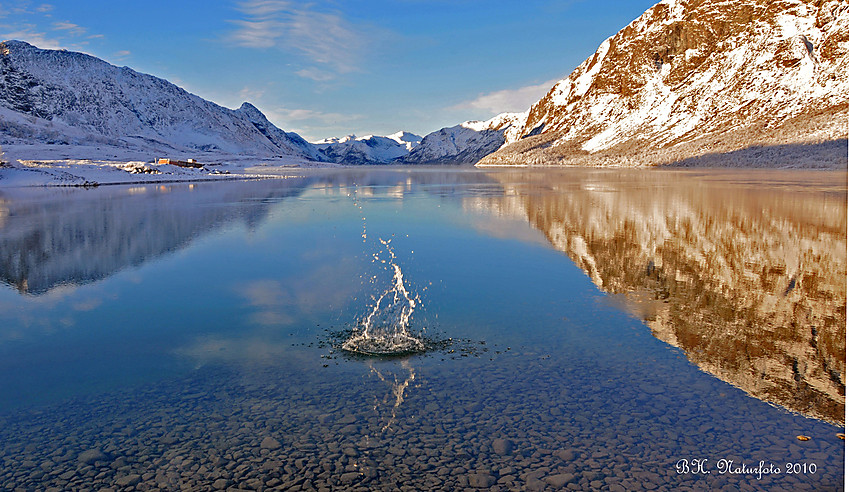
[(331, 68)]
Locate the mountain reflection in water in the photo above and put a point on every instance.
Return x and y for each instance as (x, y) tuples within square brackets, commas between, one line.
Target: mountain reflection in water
[(745, 272), (76, 236)]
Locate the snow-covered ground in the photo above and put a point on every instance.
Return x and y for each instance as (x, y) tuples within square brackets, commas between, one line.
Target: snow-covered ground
[(82, 165)]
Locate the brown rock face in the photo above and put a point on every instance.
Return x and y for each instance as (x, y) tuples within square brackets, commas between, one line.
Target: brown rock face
[(693, 77)]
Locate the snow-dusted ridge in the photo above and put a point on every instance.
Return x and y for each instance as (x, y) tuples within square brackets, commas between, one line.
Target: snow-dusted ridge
[(59, 97), (695, 78)]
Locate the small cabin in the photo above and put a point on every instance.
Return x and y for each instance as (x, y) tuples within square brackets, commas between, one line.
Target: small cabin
[(175, 162)]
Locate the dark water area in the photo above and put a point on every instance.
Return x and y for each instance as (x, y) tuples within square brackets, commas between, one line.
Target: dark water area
[(593, 330)]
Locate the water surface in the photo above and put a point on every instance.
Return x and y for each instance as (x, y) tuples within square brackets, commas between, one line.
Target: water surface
[(608, 329)]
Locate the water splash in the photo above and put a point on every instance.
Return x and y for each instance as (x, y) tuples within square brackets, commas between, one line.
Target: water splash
[(385, 330)]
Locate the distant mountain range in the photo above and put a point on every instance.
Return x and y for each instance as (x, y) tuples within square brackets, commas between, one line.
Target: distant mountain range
[(465, 143), (755, 82), (370, 149)]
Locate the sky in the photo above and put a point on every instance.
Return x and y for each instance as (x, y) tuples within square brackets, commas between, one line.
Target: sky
[(329, 68)]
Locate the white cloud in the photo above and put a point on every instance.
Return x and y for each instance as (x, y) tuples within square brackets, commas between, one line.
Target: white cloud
[(70, 27), (285, 114), (324, 38), (120, 55), (62, 34), (311, 124), (315, 74), (31, 36), (257, 34), (250, 94), (508, 100)]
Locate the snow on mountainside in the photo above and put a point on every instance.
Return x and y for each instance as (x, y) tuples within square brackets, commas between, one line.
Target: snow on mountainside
[(467, 142), (290, 143), (407, 139), (700, 77), (370, 149), (63, 97)]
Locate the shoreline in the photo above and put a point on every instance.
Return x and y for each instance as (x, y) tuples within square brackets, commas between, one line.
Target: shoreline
[(92, 173)]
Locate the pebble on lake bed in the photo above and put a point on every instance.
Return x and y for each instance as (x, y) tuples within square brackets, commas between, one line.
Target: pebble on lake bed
[(91, 456), (481, 480), (269, 443), (502, 447)]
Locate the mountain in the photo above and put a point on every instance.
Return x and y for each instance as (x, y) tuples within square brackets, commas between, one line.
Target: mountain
[(370, 149), (63, 97), (754, 82), (290, 143), (467, 142)]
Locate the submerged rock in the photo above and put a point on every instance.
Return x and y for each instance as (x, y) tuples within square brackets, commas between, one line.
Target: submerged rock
[(503, 447), (481, 480), (270, 443), (91, 456)]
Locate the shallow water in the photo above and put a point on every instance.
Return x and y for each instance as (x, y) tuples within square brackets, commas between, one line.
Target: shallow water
[(602, 330)]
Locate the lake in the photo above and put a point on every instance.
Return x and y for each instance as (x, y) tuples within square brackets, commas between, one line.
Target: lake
[(577, 328)]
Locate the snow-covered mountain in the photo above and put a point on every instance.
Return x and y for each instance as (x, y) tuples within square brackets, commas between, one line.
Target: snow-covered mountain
[(467, 142), (63, 97), (695, 78), (371, 149), (290, 143)]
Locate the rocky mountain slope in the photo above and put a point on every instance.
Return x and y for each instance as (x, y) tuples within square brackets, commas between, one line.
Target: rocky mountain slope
[(467, 142), (693, 78), (370, 149), (63, 97)]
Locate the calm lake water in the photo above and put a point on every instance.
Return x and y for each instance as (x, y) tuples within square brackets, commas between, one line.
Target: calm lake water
[(607, 330)]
